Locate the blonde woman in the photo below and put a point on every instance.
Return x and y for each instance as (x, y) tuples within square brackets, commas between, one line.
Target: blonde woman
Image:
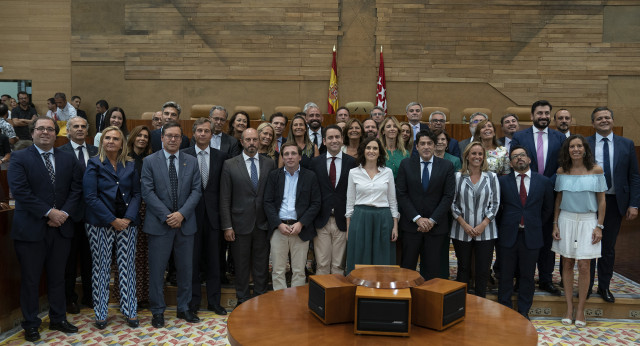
[(266, 141), (391, 138)]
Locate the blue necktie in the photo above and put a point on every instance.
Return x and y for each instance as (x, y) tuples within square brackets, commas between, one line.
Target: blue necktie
[(607, 162), (425, 177), (254, 173)]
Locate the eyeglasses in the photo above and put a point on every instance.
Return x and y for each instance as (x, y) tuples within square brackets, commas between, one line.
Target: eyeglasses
[(45, 129), (437, 121), (476, 121), (218, 119), (518, 156), (172, 137), (155, 119)]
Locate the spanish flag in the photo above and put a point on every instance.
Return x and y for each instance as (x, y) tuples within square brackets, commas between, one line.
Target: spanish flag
[(333, 86)]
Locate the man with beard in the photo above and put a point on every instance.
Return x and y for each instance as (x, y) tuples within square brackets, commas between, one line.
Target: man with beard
[(510, 125), (370, 128), (473, 122), (544, 144), (314, 121), (526, 202), (22, 116), (562, 119), (242, 215)]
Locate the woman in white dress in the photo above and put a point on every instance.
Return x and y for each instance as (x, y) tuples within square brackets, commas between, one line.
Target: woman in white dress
[(578, 218)]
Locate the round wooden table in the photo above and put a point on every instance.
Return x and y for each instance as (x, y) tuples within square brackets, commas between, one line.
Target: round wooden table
[(282, 318), (385, 277)]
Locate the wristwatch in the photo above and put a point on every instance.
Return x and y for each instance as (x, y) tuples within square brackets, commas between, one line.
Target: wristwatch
[(600, 226)]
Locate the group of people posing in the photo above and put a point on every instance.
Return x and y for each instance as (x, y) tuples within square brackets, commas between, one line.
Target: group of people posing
[(372, 192)]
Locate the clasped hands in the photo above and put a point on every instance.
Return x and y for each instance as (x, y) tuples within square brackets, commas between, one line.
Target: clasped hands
[(290, 229), (424, 224), (56, 217), (174, 220)]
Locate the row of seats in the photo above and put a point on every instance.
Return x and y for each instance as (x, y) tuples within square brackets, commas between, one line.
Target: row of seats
[(355, 108)]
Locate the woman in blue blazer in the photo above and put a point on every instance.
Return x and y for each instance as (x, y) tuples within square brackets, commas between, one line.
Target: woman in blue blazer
[(112, 193)]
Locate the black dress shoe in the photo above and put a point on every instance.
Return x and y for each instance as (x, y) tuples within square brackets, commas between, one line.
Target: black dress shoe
[(133, 323), (606, 294), (157, 321), (101, 324), (189, 316), (63, 326), (217, 308), (550, 287), (31, 334), (73, 308)]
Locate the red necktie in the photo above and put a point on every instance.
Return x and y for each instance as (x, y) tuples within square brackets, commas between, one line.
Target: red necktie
[(332, 172), (523, 195)]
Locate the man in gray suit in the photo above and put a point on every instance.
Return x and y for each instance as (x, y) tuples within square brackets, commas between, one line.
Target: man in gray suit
[(171, 189), (242, 216)]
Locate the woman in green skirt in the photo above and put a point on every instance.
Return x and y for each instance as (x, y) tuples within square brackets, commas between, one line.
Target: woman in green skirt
[(372, 209)]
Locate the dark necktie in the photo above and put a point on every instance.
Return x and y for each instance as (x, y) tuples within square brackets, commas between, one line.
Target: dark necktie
[(425, 176), (607, 162), (173, 179), (540, 153), (83, 164), (47, 163), (332, 172), (315, 139), (523, 195), (254, 174)]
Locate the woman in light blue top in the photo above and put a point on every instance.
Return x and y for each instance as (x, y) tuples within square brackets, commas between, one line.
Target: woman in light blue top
[(578, 218)]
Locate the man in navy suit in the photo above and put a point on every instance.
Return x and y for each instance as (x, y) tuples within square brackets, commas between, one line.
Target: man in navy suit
[(207, 239), (331, 225), (414, 116), (510, 125), (170, 113), (623, 197), (526, 203), (543, 144), (46, 184), (291, 202), (77, 130), (425, 185), (171, 188)]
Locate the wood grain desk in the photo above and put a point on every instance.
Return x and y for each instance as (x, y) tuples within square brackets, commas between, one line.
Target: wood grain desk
[(282, 318)]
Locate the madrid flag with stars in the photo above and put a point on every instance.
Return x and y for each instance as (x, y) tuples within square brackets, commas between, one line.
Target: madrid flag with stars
[(381, 93)]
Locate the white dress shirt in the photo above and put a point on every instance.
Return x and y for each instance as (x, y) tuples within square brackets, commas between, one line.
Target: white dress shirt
[(338, 164), (545, 142), (311, 134), (216, 140), (207, 159), (378, 192), (527, 181), (247, 162), (66, 113), (75, 146), (600, 158)]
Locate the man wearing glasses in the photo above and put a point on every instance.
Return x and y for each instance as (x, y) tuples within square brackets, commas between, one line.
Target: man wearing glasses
[(156, 121), (220, 140), (437, 121), (473, 122), (47, 186)]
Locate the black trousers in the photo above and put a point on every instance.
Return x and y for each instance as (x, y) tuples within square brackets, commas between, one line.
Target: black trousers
[(51, 254), (518, 262), (251, 255), (546, 257), (206, 260), (483, 256), (612, 222), (426, 246), (79, 252)]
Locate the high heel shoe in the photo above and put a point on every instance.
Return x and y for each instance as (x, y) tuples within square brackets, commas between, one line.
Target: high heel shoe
[(581, 324), (566, 321)]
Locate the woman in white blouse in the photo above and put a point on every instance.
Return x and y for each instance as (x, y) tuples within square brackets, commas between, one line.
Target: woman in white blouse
[(474, 209), (372, 209)]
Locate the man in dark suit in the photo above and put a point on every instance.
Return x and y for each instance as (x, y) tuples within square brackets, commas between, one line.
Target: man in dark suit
[(170, 113), (332, 171), (510, 125), (291, 202), (171, 188), (102, 107), (75, 102), (242, 216), (220, 140), (543, 144), (414, 116), (279, 122), (526, 203), (77, 129), (314, 121), (425, 185), (623, 197), (46, 184), (437, 121), (207, 238)]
